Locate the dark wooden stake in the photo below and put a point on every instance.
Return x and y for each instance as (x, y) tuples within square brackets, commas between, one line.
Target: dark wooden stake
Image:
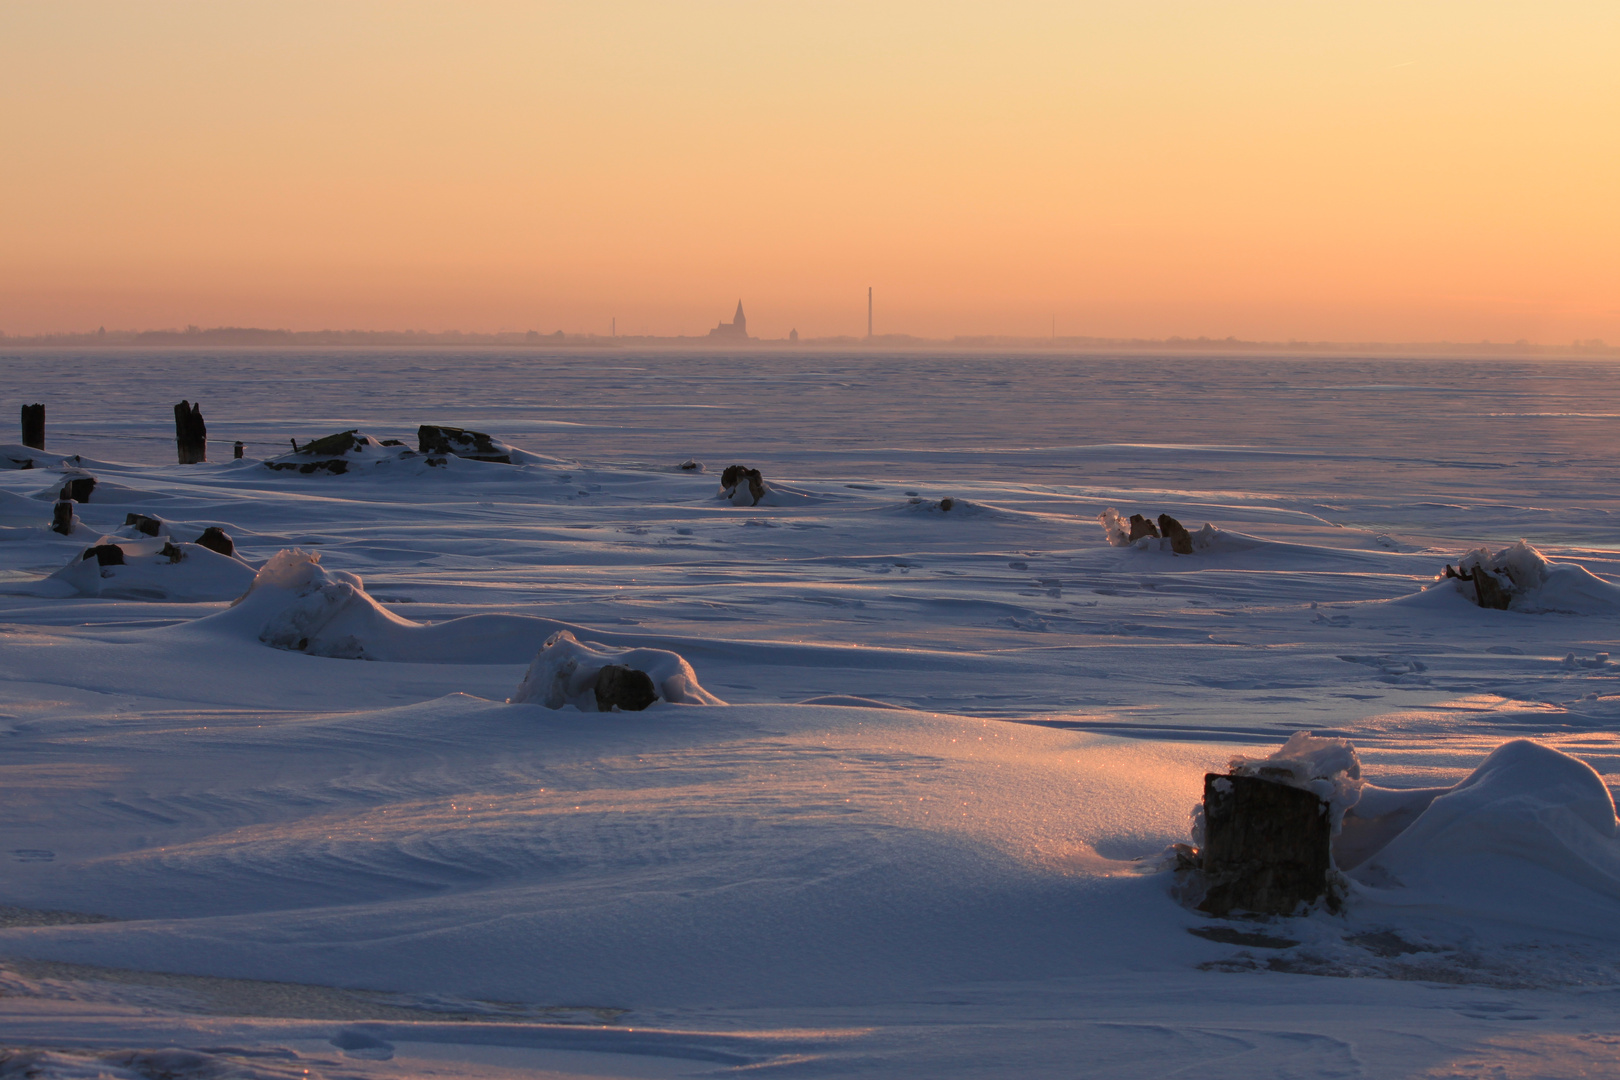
[(239, 449), (33, 426), (62, 517), (1267, 846), (190, 433)]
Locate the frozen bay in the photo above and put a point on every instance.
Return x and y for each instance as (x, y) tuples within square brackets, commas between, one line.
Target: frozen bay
[(940, 887)]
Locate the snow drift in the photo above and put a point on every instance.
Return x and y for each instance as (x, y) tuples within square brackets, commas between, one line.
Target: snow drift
[(566, 669), (1531, 835), (154, 568), (1533, 583)]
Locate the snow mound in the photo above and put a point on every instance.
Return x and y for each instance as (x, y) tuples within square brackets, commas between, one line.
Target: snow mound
[(353, 451), (18, 456), (1328, 768), (1533, 583), (565, 671), (307, 608), (1513, 838), (155, 569)]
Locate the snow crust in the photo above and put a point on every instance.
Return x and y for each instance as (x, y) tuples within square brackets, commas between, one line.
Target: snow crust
[(565, 671), (922, 839)]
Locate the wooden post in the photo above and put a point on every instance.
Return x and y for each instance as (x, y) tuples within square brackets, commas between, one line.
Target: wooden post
[(190, 433), (239, 449), (62, 517), (33, 426), (1267, 846)]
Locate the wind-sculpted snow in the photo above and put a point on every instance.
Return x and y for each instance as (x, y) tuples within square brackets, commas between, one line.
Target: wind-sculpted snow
[(923, 838), (565, 673), (155, 568), (1529, 836)]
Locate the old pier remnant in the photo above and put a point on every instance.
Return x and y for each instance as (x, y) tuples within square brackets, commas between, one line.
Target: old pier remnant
[(190, 433), (33, 426)]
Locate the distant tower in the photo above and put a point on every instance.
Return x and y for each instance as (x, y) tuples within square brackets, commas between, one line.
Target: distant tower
[(735, 330), (793, 335), (869, 311)]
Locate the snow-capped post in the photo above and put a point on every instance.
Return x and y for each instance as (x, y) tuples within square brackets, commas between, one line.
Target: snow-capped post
[(190, 433), (33, 426), (1266, 828)]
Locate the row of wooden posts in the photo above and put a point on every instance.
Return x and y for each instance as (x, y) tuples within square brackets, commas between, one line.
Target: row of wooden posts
[(190, 433)]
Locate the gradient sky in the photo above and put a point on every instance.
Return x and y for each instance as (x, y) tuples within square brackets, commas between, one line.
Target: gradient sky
[(1356, 171)]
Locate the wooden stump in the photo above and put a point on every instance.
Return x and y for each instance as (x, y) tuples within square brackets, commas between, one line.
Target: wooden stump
[(1267, 846), (735, 475), (105, 554), (190, 433), (78, 489), (217, 539), (1176, 533), (33, 426), (239, 448), (624, 687), (146, 526), (62, 517)]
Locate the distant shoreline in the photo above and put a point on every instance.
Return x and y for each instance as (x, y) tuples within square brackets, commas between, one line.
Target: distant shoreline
[(251, 338)]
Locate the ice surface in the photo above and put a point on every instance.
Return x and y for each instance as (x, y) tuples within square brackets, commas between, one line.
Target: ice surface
[(920, 840)]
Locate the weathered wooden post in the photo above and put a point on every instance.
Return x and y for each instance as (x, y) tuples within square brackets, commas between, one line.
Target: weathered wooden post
[(62, 517), (190, 433), (1267, 846), (33, 426), (239, 448)]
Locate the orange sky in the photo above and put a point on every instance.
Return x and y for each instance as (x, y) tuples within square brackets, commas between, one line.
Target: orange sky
[(1399, 171)]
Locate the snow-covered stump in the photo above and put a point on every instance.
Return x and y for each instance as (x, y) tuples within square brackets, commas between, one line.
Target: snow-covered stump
[(190, 433), (1267, 846), (33, 426)]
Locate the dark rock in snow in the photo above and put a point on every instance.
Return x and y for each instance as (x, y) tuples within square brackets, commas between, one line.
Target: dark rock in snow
[(1141, 526), (947, 504), (1267, 846), (105, 554), (690, 465), (62, 517), (172, 553), (733, 477), (146, 526), (433, 439), (625, 688), (217, 539), (1173, 531)]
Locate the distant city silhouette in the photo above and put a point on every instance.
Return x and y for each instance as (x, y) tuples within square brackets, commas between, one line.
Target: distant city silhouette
[(735, 330)]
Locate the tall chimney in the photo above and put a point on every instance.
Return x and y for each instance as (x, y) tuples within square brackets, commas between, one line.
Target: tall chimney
[(869, 311)]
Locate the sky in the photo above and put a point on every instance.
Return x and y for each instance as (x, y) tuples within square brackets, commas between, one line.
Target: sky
[(1272, 171)]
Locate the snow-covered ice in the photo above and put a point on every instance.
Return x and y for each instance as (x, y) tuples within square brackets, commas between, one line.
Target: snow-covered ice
[(924, 730)]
